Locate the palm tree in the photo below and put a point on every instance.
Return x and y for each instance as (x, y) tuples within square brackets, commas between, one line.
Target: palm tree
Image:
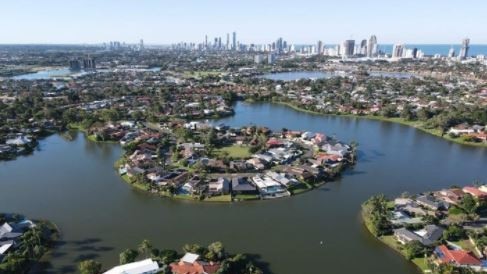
[(145, 247)]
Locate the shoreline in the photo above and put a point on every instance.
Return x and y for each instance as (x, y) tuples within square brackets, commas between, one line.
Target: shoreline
[(226, 198), (220, 198), (414, 261), (396, 120)]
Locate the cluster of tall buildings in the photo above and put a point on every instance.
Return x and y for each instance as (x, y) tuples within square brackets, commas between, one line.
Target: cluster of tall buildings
[(214, 44), (116, 46), (87, 63), (347, 49), (401, 51)]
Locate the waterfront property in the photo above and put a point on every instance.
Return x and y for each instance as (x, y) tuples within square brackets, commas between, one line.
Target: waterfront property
[(196, 260), (23, 242), (88, 177), (200, 161), (445, 227)]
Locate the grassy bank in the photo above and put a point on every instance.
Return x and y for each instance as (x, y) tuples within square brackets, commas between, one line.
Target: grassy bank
[(416, 124), (392, 243)]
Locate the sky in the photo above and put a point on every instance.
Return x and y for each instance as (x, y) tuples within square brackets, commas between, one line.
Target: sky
[(255, 21)]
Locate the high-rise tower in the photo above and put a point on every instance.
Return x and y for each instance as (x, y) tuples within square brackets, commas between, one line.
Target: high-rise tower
[(464, 50), (372, 46)]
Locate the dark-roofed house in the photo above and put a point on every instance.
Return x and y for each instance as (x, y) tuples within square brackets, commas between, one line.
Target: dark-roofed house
[(242, 185), (430, 202), (8, 232), (426, 236)]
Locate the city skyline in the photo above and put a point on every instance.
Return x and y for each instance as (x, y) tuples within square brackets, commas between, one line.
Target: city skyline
[(91, 22)]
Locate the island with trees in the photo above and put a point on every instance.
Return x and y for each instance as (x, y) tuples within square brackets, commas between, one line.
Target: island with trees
[(200, 161), (441, 232), (146, 258)]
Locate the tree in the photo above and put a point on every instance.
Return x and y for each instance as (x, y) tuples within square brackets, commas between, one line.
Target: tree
[(89, 267), (454, 233), (375, 213), (389, 111), (193, 248), (215, 252), (413, 249), (128, 256), (423, 114), (145, 247), (168, 256), (407, 113), (469, 204)]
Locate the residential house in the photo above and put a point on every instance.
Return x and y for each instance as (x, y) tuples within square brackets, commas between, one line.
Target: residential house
[(219, 186), (400, 217), (192, 186), (147, 266), (337, 149), (190, 263), (242, 185), (450, 196), (426, 236), (475, 192), (430, 202), (282, 178), (461, 129), (258, 164), (457, 257), (269, 188)]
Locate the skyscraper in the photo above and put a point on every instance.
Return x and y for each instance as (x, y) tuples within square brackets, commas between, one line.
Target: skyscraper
[(234, 41), (451, 52), (363, 47), (228, 41), (372, 46), (348, 48), (397, 50), (464, 50), (141, 44), (279, 45), (320, 47)]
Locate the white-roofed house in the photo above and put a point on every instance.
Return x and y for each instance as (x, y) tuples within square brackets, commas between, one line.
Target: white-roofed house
[(147, 266)]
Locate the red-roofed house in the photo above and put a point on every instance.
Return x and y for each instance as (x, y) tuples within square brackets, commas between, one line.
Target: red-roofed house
[(475, 192), (189, 264), (273, 142), (459, 257)]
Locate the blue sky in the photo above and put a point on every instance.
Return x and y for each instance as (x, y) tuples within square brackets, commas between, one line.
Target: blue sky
[(260, 21)]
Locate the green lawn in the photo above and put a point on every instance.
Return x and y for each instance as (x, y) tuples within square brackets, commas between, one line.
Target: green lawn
[(127, 179), (235, 151), (184, 197), (246, 197), (455, 210), (202, 73), (392, 243), (221, 198), (302, 187)]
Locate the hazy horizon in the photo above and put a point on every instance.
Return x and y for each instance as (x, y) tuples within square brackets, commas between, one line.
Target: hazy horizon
[(163, 23)]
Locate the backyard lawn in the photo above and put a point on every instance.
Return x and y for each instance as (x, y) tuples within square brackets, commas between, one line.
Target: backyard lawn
[(235, 151)]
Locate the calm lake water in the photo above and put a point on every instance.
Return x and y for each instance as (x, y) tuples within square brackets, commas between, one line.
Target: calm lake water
[(46, 74), (65, 72), (73, 183)]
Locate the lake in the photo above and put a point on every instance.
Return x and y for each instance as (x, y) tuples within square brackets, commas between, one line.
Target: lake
[(47, 74), (73, 183), (66, 72)]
